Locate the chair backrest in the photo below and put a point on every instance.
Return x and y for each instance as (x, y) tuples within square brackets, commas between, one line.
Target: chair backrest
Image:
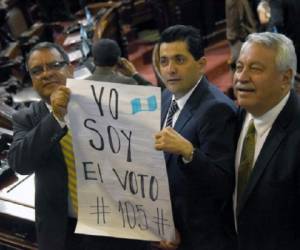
[(108, 26)]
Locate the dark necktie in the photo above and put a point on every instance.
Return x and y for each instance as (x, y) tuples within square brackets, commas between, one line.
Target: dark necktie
[(172, 110), (246, 161), (67, 149)]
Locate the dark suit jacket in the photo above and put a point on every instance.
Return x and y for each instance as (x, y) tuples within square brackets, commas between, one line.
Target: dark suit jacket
[(269, 217), (106, 74), (36, 149), (200, 188)]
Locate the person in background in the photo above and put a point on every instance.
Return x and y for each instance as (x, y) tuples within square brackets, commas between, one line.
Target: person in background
[(240, 21), (197, 138), (285, 19), (264, 14), (107, 58), (267, 193), (42, 145)]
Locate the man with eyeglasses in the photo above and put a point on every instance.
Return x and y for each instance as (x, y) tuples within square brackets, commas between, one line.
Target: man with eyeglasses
[(36, 148)]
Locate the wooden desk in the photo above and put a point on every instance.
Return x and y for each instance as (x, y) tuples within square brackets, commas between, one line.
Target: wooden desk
[(17, 227)]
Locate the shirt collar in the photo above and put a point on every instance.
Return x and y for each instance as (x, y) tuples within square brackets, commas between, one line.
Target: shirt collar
[(182, 100), (48, 107), (264, 122)]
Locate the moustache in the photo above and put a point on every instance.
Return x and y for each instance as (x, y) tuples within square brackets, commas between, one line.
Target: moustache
[(238, 86)]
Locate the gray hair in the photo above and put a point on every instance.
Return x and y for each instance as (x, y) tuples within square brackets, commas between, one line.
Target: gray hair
[(285, 51), (48, 45)]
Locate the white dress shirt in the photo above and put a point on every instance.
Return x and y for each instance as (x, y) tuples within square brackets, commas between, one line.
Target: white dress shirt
[(180, 102), (263, 125)]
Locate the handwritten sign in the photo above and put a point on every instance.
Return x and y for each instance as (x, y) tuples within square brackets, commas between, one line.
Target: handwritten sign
[(122, 183)]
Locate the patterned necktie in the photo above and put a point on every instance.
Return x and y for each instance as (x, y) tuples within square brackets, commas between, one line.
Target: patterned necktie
[(172, 110), (67, 149), (246, 161)]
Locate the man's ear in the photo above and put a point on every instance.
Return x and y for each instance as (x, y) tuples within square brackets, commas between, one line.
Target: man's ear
[(202, 64), (287, 78)]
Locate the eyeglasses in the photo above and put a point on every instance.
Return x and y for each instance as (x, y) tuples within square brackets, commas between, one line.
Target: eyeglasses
[(37, 70)]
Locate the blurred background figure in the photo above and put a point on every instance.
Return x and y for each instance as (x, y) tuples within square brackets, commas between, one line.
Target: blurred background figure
[(241, 21), (107, 59), (5, 36), (264, 14), (285, 18)]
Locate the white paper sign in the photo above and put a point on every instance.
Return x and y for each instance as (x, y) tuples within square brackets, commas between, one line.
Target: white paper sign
[(123, 188)]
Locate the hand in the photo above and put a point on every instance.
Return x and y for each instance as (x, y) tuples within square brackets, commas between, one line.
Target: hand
[(126, 67), (170, 141), (59, 100), (169, 245)]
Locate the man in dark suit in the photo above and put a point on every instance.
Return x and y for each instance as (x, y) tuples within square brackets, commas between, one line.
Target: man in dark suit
[(267, 196), (36, 148), (107, 58), (198, 141)]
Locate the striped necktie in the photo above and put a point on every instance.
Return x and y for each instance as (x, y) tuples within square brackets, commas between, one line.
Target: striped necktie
[(246, 161), (67, 149), (172, 110)]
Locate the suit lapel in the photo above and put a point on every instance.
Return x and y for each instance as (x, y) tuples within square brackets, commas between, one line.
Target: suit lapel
[(273, 141), (269, 148), (192, 103), (187, 112), (40, 110), (166, 102), (240, 120), (185, 115)]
